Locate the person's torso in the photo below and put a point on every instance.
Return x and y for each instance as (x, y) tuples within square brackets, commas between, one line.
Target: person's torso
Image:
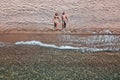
[(56, 19), (63, 17)]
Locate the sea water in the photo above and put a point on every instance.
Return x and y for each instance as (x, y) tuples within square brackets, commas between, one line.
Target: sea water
[(94, 43), (82, 43)]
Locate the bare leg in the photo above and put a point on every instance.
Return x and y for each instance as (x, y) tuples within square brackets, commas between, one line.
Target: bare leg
[(57, 27), (62, 26)]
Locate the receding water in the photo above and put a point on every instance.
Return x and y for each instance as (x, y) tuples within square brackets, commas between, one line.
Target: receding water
[(83, 43), (93, 43)]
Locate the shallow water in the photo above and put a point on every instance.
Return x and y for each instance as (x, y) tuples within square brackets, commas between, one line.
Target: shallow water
[(83, 43), (93, 43)]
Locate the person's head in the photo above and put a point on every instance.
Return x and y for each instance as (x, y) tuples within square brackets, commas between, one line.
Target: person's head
[(56, 14), (63, 13)]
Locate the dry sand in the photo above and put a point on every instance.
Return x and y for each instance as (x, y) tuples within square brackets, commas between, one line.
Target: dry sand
[(85, 16)]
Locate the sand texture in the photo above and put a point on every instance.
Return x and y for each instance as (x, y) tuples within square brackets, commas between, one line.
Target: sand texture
[(36, 15)]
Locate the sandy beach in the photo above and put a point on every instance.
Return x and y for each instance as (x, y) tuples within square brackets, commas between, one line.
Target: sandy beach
[(27, 62), (27, 27), (30, 48)]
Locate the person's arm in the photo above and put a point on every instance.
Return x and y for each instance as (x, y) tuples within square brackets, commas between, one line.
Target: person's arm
[(66, 18)]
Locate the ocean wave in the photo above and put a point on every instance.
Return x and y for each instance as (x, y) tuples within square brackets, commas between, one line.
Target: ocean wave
[(44, 45), (66, 47)]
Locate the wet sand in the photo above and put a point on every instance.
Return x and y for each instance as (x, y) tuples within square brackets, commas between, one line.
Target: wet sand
[(16, 37), (69, 30)]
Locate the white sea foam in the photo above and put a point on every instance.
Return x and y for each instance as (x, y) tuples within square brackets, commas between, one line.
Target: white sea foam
[(81, 49), (45, 45)]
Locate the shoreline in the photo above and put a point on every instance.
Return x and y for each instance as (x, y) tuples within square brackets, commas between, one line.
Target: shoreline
[(69, 30), (69, 33)]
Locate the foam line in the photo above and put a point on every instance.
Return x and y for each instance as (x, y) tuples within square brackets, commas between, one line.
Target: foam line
[(45, 45), (81, 49)]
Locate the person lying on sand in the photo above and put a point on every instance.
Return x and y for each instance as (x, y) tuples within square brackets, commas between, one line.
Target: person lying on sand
[(56, 21), (64, 20)]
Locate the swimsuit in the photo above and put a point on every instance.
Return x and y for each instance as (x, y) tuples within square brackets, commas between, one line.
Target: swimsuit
[(56, 20), (64, 23)]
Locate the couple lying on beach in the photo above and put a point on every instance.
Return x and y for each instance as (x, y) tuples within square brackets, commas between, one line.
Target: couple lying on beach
[(57, 21)]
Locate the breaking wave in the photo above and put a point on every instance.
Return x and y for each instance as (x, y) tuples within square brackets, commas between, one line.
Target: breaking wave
[(81, 49), (82, 43), (45, 45)]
